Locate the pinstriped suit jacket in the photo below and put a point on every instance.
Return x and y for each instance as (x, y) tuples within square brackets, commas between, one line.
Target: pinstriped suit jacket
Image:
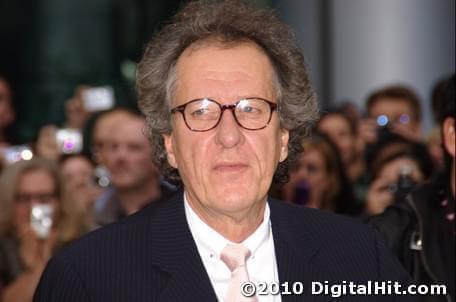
[(151, 256)]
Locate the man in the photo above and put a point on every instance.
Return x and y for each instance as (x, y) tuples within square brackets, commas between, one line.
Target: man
[(103, 131), (227, 100), (420, 229), (135, 179)]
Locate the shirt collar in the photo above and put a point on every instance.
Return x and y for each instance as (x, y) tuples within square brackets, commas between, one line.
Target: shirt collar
[(212, 242)]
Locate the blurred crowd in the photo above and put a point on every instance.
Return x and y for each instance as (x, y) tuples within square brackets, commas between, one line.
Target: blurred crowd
[(97, 168)]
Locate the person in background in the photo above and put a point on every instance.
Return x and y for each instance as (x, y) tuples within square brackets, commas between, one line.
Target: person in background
[(420, 228), (343, 131), (24, 250), (102, 131), (98, 132), (396, 108), (135, 179), (318, 179), (78, 173), (397, 162), (6, 111), (344, 134)]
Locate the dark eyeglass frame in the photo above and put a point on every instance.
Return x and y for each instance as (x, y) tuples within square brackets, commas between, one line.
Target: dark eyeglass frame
[(41, 198), (232, 107)]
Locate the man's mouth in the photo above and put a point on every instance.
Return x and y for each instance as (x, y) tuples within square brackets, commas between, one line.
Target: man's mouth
[(230, 167)]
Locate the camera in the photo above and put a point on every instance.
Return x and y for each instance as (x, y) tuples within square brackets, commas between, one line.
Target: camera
[(98, 98), (41, 219), (69, 141), (404, 185), (13, 154)]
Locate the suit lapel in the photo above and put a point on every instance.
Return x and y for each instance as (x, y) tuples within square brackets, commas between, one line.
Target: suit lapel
[(174, 251), (294, 244)]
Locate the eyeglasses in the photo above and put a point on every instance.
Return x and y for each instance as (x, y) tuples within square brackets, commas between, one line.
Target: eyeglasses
[(39, 198), (205, 114)]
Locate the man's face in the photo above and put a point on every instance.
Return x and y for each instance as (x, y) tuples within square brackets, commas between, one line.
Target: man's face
[(129, 155), (103, 133), (227, 169)]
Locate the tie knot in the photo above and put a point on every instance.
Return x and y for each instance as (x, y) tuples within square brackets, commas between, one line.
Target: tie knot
[(235, 256)]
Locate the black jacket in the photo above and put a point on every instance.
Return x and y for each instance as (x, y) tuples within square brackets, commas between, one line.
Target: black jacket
[(420, 238), (151, 256)]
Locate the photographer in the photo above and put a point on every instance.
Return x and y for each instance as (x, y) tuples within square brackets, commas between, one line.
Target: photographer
[(27, 241), (395, 160), (420, 229)]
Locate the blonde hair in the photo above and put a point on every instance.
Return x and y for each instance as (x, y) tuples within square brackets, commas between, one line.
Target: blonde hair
[(70, 222)]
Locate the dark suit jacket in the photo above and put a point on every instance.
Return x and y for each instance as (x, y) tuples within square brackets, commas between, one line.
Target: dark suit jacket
[(151, 256)]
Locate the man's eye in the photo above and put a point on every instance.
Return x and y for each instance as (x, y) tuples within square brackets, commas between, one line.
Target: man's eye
[(200, 112), (249, 109)]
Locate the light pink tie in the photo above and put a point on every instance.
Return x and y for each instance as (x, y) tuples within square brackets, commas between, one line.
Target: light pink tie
[(235, 257)]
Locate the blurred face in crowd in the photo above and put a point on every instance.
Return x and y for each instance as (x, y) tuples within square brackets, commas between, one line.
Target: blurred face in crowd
[(337, 128), (312, 170), (227, 169), (103, 131), (6, 111), (129, 155), (33, 187), (398, 111), (76, 169)]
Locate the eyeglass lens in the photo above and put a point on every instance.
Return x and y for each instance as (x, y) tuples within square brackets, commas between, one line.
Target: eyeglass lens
[(205, 114)]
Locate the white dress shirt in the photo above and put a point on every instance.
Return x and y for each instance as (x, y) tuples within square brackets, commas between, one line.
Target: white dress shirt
[(262, 264)]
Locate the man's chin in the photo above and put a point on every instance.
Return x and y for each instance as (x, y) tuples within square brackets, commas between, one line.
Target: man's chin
[(235, 199)]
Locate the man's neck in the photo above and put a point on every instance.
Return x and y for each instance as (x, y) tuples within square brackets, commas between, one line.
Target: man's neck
[(235, 227), (133, 199)]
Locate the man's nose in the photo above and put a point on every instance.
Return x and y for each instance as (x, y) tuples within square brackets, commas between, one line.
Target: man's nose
[(229, 133)]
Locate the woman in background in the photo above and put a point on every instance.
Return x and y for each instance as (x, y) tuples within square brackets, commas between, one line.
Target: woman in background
[(26, 246), (318, 179)]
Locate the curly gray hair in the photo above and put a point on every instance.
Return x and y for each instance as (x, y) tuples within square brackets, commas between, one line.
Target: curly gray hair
[(228, 22)]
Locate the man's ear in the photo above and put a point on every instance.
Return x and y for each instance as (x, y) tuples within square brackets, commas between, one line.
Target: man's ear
[(284, 136), (169, 146), (448, 131)]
